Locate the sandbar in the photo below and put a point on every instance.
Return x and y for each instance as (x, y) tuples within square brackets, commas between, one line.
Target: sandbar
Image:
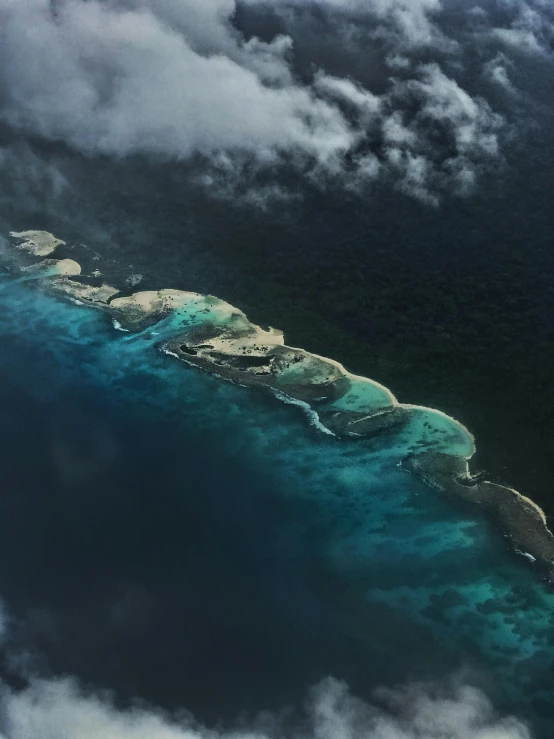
[(39, 243), (96, 295)]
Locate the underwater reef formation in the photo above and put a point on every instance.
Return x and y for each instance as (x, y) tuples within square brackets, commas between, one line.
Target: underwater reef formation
[(210, 334)]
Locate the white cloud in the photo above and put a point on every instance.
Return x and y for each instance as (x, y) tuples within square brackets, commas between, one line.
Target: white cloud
[(528, 26), (497, 71), (58, 709), (115, 81), (176, 79), (471, 122), (346, 91)]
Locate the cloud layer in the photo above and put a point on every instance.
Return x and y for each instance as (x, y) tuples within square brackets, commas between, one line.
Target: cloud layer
[(58, 708), (178, 79)]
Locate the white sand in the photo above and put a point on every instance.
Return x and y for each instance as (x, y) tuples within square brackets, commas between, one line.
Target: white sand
[(67, 267), (343, 371), (52, 268), (39, 243), (154, 301), (148, 301), (88, 293), (255, 342)]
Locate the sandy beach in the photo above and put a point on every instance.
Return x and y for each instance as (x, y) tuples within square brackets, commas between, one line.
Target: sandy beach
[(38, 243), (90, 294)]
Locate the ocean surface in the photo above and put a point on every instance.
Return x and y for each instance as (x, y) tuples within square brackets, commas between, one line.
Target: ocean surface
[(173, 537)]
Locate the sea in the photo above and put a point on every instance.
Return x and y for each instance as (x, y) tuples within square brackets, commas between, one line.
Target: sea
[(178, 539)]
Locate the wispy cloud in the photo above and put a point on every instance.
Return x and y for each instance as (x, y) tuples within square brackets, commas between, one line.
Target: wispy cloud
[(50, 709)]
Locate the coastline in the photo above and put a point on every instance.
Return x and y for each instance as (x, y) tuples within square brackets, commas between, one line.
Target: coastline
[(38, 243), (520, 519), (210, 334)]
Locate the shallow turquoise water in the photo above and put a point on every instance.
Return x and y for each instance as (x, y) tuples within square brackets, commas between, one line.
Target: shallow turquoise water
[(362, 396), (366, 552)]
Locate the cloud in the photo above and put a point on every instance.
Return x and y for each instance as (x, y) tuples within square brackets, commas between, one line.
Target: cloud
[(179, 80), (530, 28), (28, 178), (55, 709), (409, 23), (433, 135), (497, 70), (522, 26), (113, 80)]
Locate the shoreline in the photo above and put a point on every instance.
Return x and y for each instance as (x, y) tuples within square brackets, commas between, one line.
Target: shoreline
[(521, 520), (213, 335)]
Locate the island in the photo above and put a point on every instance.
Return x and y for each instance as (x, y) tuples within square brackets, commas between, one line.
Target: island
[(210, 334)]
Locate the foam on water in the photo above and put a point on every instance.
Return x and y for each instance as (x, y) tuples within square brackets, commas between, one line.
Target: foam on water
[(308, 410), (393, 540)]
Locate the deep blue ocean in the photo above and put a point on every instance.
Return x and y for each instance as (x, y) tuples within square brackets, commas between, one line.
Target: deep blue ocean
[(192, 543)]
